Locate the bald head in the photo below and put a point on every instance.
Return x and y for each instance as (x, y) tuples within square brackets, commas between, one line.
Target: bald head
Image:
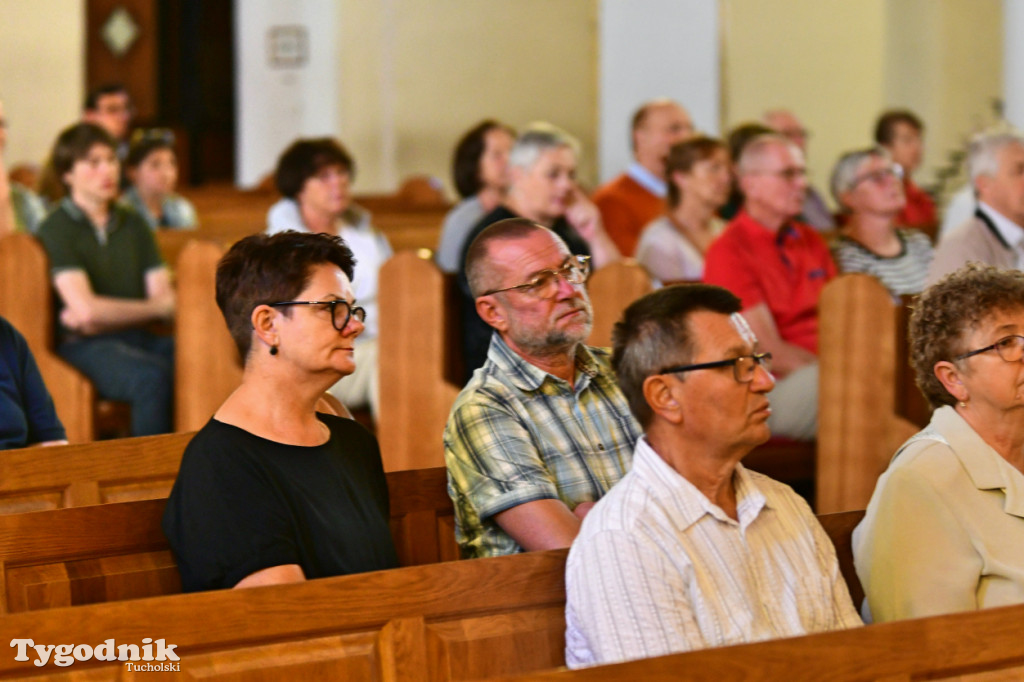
[(479, 271), (785, 123), (658, 125)]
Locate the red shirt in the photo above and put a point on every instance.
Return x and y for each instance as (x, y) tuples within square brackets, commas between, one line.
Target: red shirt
[(626, 207), (920, 209), (786, 270)]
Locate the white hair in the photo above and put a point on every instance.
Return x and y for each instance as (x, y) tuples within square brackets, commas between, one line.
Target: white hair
[(983, 152), (537, 139)]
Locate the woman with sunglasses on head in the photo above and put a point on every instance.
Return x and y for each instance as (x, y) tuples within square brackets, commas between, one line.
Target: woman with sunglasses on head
[(944, 530), (270, 490), (867, 185), (153, 172), (315, 176)]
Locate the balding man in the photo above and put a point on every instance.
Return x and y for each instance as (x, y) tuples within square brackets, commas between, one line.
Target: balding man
[(995, 233), (691, 550), (778, 267), (815, 211), (635, 198), (542, 430)]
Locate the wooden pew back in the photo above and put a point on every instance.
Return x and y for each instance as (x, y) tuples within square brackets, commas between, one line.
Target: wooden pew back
[(117, 551), (858, 425), (612, 288)]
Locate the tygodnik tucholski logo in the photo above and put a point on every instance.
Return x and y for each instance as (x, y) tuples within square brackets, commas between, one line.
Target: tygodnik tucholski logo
[(65, 654)]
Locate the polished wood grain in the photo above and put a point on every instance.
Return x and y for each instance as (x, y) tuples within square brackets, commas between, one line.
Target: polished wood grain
[(612, 288)]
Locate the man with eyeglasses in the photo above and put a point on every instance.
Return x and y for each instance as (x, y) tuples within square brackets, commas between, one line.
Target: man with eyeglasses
[(814, 211), (692, 550), (778, 267), (994, 235), (542, 430)]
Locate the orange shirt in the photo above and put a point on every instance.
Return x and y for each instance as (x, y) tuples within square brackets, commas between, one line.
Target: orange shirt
[(626, 208)]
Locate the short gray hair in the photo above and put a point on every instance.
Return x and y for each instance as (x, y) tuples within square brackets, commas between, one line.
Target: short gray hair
[(754, 149), (537, 139), (844, 174), (983, 152)]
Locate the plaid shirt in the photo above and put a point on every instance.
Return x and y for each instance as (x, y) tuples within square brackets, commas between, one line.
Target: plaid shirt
[(518, 434)]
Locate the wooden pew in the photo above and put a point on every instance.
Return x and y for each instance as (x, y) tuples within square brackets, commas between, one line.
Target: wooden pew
[(612, 288), (975, 646), (859, 426), (116, 551), (26, 300)]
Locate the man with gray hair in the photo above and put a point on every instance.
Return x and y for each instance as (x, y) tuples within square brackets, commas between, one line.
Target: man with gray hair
[(690, 549), (778, 267), (814, 212), (542, 430), (543, 189), (995, 233)]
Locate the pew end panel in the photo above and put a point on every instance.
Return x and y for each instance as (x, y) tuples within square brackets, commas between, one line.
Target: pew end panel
[(612, 288)]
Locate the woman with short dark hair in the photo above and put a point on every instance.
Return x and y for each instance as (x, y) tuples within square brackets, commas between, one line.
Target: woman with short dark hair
[(480, 172), (944, 530), (315, 177), (270, 490)]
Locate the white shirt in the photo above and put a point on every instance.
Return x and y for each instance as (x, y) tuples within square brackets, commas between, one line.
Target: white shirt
[(657, 568), (648, 180), (370, 247), (1011, 232)]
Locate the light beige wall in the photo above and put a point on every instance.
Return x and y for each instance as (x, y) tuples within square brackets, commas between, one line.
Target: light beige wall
[(42, 71), (824, 59), (455, 62)]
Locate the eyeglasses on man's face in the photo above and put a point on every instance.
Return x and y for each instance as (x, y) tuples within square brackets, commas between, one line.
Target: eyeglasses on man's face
[(544, 284), (743, 367), (879, 176), (789, 174), (1009, 348), (341, 311)]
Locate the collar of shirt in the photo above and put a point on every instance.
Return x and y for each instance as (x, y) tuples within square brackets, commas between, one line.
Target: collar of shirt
[(986, 467), (528, 377), (648, 180), (1011, 232), (693, 505), (79, 216)]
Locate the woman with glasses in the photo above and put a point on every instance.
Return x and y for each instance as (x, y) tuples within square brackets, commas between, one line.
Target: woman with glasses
[(867, 185), (672, 247), (314, 176), (270, 490), (944, 530), (153, 173)]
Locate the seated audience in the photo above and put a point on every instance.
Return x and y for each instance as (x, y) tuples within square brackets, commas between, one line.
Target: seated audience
[(867, 185), (901, 132), (27, 415), (271, 491), (542, 175), (111, 283), (631, 200), (943, 531), (777, 267), (690, 549), (153, 174), (20, 209), (672, 247), (314, 176), (814, 212), (542, 430), (995, 233), (737, 140), (480, 172)]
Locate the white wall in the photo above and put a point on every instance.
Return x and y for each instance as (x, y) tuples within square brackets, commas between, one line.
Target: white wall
[(275, 103), (650, 49), (42, 73)]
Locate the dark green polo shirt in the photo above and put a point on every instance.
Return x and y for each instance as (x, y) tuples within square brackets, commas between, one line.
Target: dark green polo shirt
[(116, 261)]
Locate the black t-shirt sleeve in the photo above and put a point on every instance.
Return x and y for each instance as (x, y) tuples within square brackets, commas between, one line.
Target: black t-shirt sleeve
[(225, 518)]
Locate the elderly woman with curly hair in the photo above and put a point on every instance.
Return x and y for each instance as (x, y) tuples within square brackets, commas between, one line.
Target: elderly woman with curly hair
[(944, 530)]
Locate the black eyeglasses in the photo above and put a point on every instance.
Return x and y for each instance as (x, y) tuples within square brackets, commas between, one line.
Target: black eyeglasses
[(574, 270), (164, 135), (1009, 348), (336, 307), (743, 367)]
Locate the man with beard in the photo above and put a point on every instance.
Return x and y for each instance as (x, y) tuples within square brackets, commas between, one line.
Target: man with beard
[(542, 430)]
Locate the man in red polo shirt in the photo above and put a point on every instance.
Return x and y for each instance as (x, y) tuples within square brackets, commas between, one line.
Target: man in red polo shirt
[(778, 268)]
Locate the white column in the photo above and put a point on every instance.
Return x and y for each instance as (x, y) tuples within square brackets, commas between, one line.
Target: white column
[(1013, 61), (650, 49), (286, 79)]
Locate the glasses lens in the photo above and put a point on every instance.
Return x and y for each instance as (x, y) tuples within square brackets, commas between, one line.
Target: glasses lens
[(743, 369), (359, 313), (1011, 349), (342, 312)]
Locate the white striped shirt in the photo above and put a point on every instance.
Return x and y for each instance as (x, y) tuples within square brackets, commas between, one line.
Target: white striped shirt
[(658, 568)]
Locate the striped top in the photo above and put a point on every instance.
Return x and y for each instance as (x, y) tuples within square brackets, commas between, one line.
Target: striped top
[(658, 568), (517, 434), (901, 274)]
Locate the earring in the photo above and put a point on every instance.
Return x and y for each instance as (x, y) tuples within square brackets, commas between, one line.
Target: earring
[(273, 350), (963, 403)]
